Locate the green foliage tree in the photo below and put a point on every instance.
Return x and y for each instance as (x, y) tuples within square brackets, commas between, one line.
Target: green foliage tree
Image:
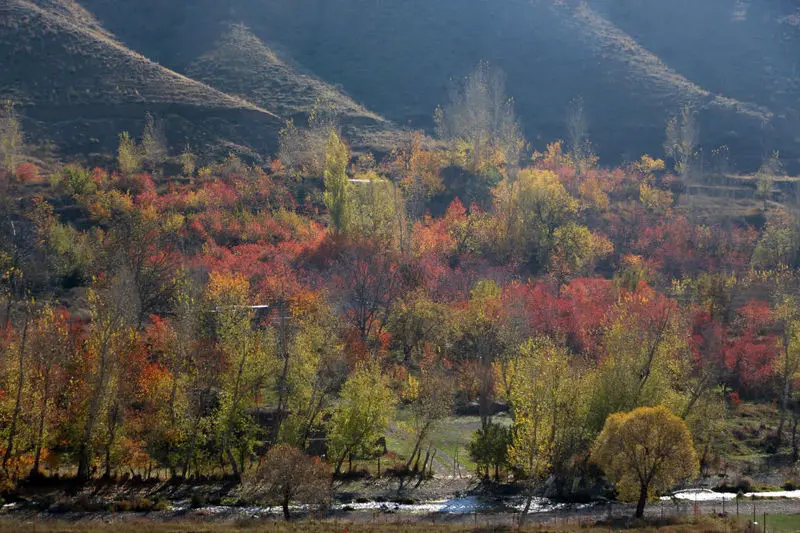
[(337, 198), (489, 448), (129, 156), (361, 416), (529, 210), (12, 141), (549, 407), (251, 364), (645, 451)]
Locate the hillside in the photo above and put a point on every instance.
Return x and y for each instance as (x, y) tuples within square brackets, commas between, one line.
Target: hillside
[(241, 64), (633, 62), (80, 87)]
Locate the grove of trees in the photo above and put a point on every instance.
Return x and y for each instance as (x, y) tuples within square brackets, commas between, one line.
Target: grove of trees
[(220, 318)]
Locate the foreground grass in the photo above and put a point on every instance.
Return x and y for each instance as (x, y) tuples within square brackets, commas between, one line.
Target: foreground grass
[(781, 523), (144, 526)]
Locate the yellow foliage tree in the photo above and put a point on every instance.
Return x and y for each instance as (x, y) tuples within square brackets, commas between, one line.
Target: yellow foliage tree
[(645, 451)]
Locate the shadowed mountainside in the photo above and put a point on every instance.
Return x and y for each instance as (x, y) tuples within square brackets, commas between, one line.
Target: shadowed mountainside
[(634, 63)]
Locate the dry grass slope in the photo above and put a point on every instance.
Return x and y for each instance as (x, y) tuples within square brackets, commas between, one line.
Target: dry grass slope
[(241, 64), (60, 57)]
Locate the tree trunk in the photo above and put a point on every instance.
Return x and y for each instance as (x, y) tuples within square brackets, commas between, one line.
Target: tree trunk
[(42, 416), (642, 501), (12, 430), (787, 383), (285, 504), (795, 444), (112, 431), (283, 388), (527, 509), (236, 473), (94, 408)]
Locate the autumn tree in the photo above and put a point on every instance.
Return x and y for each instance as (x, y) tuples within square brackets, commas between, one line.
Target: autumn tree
[(770, 169), (369, 283), (287, 475), (54, 344), (377, 211), (643, 339), (417, 321), (250, 363), (580, 146), (549, 407), (529, 211), (112, 316), (360, 418), (18, 351), (481, 341), (315, 371), (645, 451), (576, 251)]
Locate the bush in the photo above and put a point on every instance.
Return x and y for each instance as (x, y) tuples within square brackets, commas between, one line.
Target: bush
[(740, 484), (790, 485)]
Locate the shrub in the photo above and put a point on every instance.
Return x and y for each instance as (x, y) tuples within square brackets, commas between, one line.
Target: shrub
[(739, 485)]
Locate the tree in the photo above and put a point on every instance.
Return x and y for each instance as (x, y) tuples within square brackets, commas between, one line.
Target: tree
[(430, 399), (529, 210), (336, 183), (249, 365), (549, 407), (576, 250), (188, 161), (11, 138), (643, 340), (376, 211), (578, 135), (770, 169), (129, 156), (54, 344), (112, 315), (681, 141), (287, 475), (489, 448), (303, 149), (154, 144), (646, 450), (481, 116), (361, 416)]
